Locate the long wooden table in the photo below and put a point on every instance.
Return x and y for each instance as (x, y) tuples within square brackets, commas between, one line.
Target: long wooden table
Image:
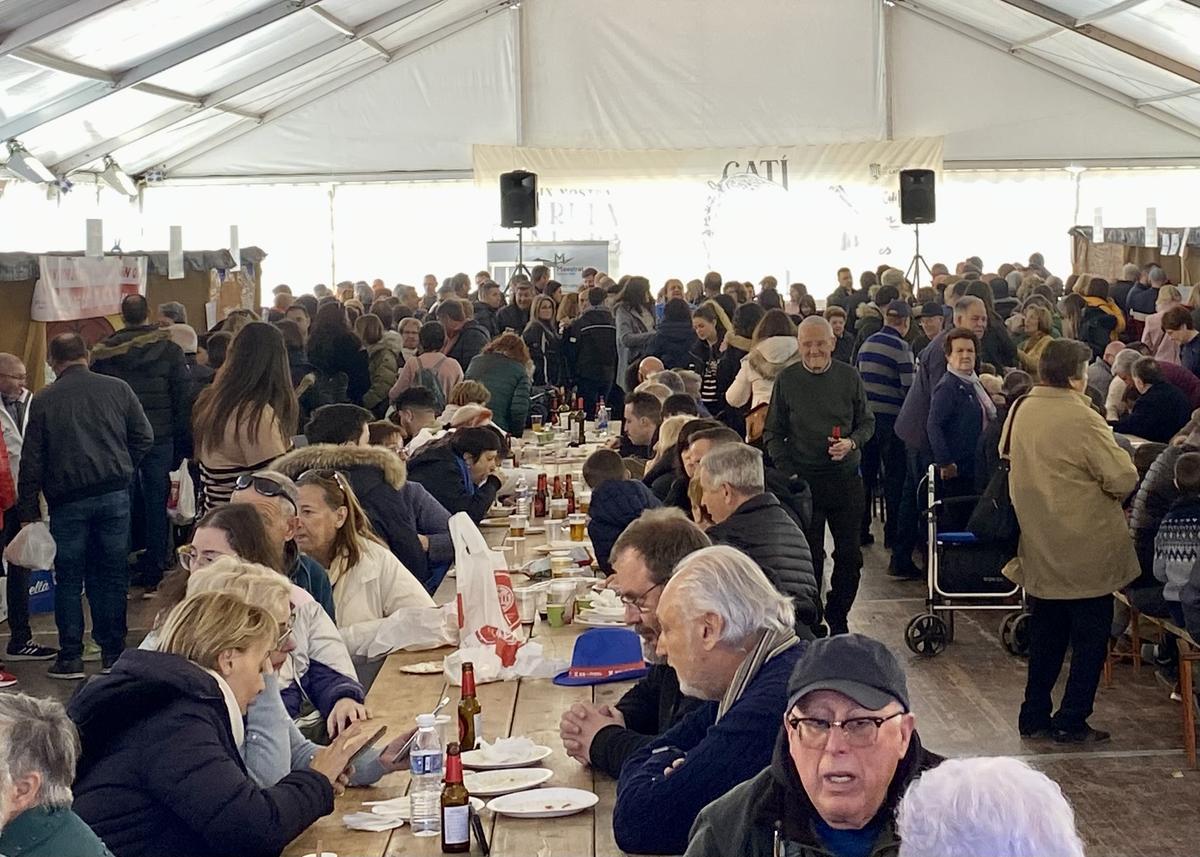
[(528, 707)]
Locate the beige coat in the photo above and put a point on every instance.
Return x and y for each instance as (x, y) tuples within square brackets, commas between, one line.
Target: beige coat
[(1067, 482)]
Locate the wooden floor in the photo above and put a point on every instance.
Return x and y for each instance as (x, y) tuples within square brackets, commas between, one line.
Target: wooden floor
[(1133, 796)]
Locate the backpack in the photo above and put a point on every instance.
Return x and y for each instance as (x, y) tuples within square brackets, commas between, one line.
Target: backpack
[(428, 378)]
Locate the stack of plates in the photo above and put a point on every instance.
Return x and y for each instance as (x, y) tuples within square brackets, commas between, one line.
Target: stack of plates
[(602, 617)]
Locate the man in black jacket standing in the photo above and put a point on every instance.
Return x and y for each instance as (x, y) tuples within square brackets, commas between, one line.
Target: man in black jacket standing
[(748, 517), (489, 303), (515, 316), (145, 357), (591, 346), (86, 436), (643, 559)]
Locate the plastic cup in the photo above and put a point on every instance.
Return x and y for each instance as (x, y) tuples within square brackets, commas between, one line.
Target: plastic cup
[(554, 531), (527, 604), (537, 422), (517, 525), (556, 615), (583, 501), (578, 524), (558, 509)]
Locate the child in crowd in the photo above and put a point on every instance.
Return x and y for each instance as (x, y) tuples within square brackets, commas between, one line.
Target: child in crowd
[(1177, 544), (616, 501)]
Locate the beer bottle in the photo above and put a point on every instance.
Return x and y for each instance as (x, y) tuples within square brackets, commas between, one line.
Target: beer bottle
[(557, 493), (539, 498), (570, 496), (470, 714), (456, 806)]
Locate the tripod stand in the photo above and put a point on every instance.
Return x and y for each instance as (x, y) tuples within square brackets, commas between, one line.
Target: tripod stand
[(913, 274), (521, 267)]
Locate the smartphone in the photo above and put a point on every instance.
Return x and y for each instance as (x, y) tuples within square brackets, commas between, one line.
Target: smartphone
[(379, 733)]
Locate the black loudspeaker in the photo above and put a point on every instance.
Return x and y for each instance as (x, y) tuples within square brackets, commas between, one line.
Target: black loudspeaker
[(917, 202), (518, 199)]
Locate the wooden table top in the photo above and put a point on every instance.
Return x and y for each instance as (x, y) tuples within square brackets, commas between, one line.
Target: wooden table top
[(528, 707)]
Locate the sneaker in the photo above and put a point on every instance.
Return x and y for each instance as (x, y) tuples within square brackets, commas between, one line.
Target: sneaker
[(107, 665), (31, 651), (91, 652), (7, 679), (1086, 735), (68, 670)]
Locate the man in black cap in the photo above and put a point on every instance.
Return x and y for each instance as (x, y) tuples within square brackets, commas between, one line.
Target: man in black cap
[(845, 756), (931, 318)]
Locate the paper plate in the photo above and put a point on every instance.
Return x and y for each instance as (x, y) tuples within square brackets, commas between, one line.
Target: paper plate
[(494, 783), (594, 621), (544, 803), (475, 759), (401, 807), (422, 668), (561, 547)]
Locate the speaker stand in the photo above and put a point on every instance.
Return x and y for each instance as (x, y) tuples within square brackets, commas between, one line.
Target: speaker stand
[(521, 268), (913, 274)]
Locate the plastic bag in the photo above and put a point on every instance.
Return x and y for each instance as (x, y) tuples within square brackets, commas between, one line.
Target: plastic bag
[(414, 629), (181, 501), (487, 608), (32, 548), (530, 662)]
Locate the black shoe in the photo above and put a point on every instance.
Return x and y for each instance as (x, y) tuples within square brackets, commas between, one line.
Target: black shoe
[(68, 670), (1086, 735), (901, 572), (31, 651), (1043, 734)]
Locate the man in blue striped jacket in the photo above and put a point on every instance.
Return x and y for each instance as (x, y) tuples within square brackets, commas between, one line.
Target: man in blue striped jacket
[(886, 364)]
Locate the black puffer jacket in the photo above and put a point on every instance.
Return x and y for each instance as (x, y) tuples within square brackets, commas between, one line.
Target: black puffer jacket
[(615, 505), (447, 477), (673, 343), (471, 341), (342, 352), (763, 530), (146, 359), (591, 346), (485, 317), (545, 350), (160, 773)]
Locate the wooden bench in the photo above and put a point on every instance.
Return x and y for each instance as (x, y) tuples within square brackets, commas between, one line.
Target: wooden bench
[(1189, 653)]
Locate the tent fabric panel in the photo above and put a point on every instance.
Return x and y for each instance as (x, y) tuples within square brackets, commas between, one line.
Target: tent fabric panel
[(286, 86), (25, 87), (1108, 66), (992, 16), (154, 149)]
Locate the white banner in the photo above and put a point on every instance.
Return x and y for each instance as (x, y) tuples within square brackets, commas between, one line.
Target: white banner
[(77, 287)]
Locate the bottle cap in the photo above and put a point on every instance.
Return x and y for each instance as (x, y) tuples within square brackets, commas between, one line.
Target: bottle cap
[(426, 721)]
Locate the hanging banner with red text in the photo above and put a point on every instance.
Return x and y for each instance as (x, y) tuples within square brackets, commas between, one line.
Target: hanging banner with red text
[(76, 287)]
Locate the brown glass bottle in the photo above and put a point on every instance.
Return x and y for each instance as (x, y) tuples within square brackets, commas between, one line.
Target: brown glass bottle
[(556, 493), (456, 807), (470, 713), (539, 498), (570, 495)]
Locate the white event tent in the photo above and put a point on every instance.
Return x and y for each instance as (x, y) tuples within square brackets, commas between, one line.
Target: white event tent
[(360, 138)]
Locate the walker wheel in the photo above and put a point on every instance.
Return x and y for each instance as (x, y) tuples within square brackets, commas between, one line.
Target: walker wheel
[(927, 635), (1014, 633)]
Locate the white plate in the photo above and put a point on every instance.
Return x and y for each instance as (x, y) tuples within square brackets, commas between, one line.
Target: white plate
[(474, 759), (598, 621), (494, 783), (561, 547), (423, 668), (544, 803), (401, 807)]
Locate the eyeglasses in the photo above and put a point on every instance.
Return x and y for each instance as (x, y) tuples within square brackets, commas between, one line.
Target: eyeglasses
[(264, 486), (21, 377), (191, 559), (637, 601), (287, 633), (859, 731)]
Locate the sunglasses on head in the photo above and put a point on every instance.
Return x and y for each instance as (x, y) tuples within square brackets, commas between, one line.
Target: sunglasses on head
[(325, 474), (264, 486)]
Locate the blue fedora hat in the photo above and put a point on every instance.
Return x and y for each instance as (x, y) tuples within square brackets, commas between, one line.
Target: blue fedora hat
[(602, 655)]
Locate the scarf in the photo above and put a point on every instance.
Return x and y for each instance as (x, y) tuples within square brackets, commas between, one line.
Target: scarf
[(769, 645), (985, 401), (236, 723)]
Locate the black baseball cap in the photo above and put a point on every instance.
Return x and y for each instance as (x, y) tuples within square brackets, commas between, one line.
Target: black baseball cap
[(930, 309), (898, 308), (853, 665)]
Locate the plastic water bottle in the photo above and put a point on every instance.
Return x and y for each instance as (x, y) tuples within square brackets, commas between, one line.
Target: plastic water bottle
[(602, 418), (523, 496), (426, 767)]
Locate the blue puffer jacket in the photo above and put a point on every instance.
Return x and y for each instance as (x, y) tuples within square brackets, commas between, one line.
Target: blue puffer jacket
[(615, 505)]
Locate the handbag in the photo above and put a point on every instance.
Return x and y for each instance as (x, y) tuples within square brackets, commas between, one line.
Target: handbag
[(993, 519), (756, 422)]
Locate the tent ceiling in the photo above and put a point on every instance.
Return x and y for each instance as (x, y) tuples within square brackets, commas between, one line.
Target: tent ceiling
[(194, 85)]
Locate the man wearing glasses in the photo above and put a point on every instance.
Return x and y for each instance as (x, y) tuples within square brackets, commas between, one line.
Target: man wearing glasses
[(643, 558), (847, 752)]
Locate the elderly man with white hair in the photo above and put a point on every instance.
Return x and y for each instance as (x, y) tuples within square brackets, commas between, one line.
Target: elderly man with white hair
[(847, 750), (38, 751), (817, 425), (728, 634), (986, 807)]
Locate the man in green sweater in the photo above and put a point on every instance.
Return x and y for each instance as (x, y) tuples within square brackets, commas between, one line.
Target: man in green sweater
[(817, 424)]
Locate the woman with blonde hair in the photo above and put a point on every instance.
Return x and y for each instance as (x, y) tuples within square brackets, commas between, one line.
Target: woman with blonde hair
[(1162, 347), (568, 311), (661, 469), (161, 771), (1038, 331), (542, 339), (369, 583), (503, 367)]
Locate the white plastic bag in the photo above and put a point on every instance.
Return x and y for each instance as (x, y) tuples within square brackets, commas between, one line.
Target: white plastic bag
[(32, 548), (181, 500), (531, 662), (487, 608), (414, 629)]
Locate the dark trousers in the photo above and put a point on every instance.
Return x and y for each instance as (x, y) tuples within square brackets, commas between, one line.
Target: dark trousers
[(893, 465), (837, 502), (148, 504), (592, 392), (910, 529), (17, 589), (92, 536), (1083, 625)]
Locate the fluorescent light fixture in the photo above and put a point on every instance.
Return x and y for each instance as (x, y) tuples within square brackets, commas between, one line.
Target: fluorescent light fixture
[(24, 165), (117, 178)]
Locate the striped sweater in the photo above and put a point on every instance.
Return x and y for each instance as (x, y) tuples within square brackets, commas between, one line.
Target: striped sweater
[(885, 362), (1177, 545)]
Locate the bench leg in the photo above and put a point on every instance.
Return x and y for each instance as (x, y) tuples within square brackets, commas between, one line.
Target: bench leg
[(1108, 665), (1135, 637), (1186, 660)]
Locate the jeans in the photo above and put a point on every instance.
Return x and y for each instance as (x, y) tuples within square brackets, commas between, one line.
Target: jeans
[(910, 529), (148, 502), (1083, 624), (837, 501), (92, 536), (17, 585)]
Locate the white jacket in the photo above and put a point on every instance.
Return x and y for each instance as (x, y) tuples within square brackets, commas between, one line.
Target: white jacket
[(316, 638), (756, 377), (374, 589), (14, 435)]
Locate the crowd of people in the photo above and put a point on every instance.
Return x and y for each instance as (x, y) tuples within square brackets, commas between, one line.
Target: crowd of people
[(331, 438)]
